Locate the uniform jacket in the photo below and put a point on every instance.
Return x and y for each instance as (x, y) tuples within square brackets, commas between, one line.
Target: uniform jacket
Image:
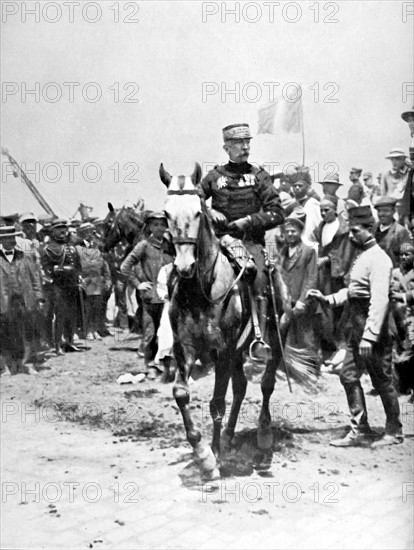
[(19, 277), (61, 264), (369, 285), (151, 256), (240, 190), (391, 243), (96, 277), (300, 271)]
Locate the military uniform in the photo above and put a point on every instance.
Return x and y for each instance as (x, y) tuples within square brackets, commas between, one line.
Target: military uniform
[(62, 267), (243, 190)]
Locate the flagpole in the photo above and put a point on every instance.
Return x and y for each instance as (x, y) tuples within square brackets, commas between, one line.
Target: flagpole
[(303, 133)]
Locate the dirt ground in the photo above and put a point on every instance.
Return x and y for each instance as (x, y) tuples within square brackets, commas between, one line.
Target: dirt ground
[(74, 422)]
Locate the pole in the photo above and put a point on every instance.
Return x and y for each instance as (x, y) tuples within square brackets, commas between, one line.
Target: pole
[(303, 131), (25, 179)]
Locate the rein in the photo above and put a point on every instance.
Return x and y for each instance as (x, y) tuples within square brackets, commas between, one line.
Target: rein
[(196, 241)]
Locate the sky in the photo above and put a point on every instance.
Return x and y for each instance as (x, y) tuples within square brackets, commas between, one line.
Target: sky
[(152, 83)]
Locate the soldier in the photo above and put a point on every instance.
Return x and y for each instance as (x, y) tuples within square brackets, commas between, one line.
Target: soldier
[(368, 340), (244, 205), (61, 265), (407, 200), (354, 175)]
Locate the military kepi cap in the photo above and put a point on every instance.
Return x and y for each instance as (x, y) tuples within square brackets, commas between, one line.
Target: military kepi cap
[(156, 216), (385, 201), (60, 222), (27, 217), (237, 131), (360, 215)]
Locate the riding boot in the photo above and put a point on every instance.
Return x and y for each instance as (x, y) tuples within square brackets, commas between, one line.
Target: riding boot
[(357, 408), (238, 255), (262, 311)]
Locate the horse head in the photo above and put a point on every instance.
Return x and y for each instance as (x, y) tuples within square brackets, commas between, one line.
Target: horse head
[(183, 209)]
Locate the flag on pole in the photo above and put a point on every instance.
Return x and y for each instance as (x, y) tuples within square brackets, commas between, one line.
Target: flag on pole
[(282, 115)]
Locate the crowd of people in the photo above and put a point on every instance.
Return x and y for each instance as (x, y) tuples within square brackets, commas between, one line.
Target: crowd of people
[(348, 263)]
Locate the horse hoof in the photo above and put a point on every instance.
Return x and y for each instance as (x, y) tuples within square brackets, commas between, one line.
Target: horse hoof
[(205, 460), (262, 461), (213, 475), (265, 439)]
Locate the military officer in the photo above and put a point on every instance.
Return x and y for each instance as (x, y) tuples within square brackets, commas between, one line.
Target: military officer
[(244, 205)]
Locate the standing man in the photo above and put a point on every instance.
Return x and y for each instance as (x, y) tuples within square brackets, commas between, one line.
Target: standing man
[(330, 186), (21, 299), (368, 341), (149, 255), (388, 233), (354, 175), (311, 207), (394, 181), (244, 205), (62, 268)]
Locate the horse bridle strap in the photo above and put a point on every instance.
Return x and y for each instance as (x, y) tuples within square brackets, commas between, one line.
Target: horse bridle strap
[(182, 192), (184, 240)]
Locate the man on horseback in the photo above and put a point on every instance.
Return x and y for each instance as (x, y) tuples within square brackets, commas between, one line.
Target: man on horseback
[(244, 205)]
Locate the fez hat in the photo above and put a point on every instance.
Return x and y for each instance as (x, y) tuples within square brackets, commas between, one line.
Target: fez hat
[(60, 222), (156, 216), (385, 201), (407, 114), (395, 153), (331, 178), (237, 131), (360, 215), (27, 217), (9, 231)]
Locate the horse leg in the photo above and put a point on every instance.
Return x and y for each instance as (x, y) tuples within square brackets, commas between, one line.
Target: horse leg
[(239, 386), (264, 432), (203, 455), (218, 402)]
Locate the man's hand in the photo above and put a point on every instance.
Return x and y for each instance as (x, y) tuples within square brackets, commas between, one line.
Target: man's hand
[(317, 294), (145, 286), (238, 226), (397, 296), (365, 348), (218, 217), (322, 261), (299, 308)]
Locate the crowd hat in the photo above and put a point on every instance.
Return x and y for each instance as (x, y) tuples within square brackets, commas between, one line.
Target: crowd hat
[(9, 231), (385, 201), (360, 215), (356, 170), (407, 114), (332, 199), (156, 216), (367, 175), (237, 131), (60, 222), (27, 217), (395, 153), (85, 227), (331, 178), (296, 218)]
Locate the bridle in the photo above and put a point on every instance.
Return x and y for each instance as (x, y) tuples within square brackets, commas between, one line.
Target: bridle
[(195, 241)]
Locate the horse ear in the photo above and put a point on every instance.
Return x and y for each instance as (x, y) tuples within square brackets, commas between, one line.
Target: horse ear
[(111, 208), (196, 175), (164, 175)]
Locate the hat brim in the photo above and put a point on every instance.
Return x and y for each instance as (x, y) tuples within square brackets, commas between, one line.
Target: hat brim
[(406, 114), (330, 181), (15, 234)]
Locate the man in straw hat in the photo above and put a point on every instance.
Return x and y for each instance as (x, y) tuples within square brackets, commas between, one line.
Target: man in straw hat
[(20, 300), (368, 341), (394, 180)]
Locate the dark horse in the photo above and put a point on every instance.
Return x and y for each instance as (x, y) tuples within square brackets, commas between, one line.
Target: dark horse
[(208, 312), (123, 224)]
